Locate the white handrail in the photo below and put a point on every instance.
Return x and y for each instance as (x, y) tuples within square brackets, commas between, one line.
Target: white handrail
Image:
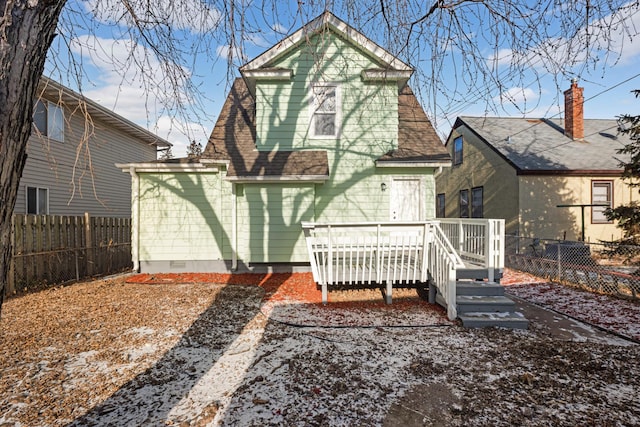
[(404, 253)]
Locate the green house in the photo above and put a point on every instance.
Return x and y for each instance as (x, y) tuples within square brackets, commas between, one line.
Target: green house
[(322, 127)]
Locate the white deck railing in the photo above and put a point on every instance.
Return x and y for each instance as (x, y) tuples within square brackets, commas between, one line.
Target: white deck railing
[(411, 253), (478, 241)]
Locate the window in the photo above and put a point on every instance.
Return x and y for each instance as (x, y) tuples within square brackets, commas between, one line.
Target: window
[(464, 203), (457, 151), (325, 108), (48, 119), (601, 193), (37, 201), (440, 211), (476, 202)]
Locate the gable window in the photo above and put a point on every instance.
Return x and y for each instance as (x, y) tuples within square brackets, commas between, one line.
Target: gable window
[(464, 203), (476, 202), (48, 119), (601, 193), (325, 110), (37, 201), (440, 211), (457, 151)]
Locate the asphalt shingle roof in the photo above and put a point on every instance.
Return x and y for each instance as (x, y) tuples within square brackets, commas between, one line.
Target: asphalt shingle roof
[(233, 139), (540, 144)]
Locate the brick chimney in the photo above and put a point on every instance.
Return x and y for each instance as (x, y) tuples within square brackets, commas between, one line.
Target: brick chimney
[(573, 111)]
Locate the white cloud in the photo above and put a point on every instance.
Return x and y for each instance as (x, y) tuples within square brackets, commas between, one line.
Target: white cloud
[(130, 81), (194, 16), (181, 134), (517, 95), (227, 53), (614, 38)]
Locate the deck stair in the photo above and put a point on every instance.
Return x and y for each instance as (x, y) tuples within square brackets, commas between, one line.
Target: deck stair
[(483, 304)]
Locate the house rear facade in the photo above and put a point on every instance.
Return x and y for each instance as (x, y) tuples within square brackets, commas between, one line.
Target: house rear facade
[(71, 156), (547, 178), (321, 127)]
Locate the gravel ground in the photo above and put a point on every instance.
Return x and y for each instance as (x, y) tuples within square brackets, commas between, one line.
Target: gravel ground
[(109, 352)]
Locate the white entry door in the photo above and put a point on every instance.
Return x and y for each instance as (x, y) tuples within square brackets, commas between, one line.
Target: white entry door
[(407, 199)]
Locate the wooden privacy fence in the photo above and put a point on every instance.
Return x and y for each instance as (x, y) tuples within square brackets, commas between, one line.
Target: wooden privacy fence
[(51, 249)]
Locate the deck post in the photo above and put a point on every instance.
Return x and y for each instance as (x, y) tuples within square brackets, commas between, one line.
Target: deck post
[(329, 278), (433, 290), (489, 250)]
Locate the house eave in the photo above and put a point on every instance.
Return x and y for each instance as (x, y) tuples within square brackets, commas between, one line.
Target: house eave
[(324, 21), (574, 172), (55, 92), (311, 179), (399, 76), (266, 74), (163, 167), (401, 164)]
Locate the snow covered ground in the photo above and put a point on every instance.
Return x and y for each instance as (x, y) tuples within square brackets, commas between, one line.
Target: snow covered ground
[(110, 352)]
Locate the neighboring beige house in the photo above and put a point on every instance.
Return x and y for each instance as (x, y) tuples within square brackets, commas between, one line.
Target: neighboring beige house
[(540, 175), (72, 153)]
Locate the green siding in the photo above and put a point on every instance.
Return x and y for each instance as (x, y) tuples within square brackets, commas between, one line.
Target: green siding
[(369, 111), (180, 217), (195, 222), (269, 217)]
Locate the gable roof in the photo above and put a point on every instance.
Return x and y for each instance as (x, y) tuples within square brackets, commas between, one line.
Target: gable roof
[(327, 21), (539, 146), (58, 93), (233, 141)]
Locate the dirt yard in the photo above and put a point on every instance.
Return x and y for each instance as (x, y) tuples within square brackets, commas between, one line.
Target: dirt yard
[(262, 351)]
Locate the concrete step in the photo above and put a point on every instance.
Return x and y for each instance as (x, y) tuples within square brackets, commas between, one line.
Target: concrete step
[(511, 320), (485, 304), (479, 288)]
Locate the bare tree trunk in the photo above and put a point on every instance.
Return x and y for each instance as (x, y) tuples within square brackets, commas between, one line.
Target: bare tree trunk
[(27, 28)]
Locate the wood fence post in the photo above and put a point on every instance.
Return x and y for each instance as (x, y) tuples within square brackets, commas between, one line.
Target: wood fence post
[(88, 243), (11, 285)]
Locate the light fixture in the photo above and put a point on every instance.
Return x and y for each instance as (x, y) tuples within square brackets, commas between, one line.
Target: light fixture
[(383, 187)]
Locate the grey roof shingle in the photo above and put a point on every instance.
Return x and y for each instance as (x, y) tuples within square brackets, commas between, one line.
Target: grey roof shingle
[(233, 139), (532, 145)]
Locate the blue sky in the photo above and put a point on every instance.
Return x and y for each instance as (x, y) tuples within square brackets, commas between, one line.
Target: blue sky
[(110, 77)]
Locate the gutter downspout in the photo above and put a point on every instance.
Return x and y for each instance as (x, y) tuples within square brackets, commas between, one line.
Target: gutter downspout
[(135, 218), (234, 228)]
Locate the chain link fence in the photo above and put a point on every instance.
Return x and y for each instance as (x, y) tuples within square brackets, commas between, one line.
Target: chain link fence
[(599, 267)]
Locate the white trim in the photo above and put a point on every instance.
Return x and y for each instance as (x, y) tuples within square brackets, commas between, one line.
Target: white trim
[(322, 22), (318, 179), (400, 164), (234, 227), (279, 74), (135, 219), (312, 109), (166, 167), (383, 75)]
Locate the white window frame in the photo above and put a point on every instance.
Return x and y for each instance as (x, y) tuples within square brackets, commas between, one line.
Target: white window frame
[(313, 105), (54, 121), (597, 212), (38, 195)]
